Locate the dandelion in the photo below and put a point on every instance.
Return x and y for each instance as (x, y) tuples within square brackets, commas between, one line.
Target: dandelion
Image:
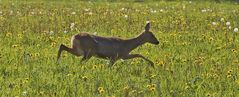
[(229, 76), (94, 66), (186, 87), (204, 10), (14, 46), (234, 51), (32, 13), (87, 9), (222, 19), (235, 30), (8, 34), (73, 13), (69, 74), (214, 23), (211, 39), (228, 23), (229, 27), (41, 93), (84, 78), (24, 93), (184, 6), (72, 26), (152, 76), (37, 54), (65, 31), (19, 35), (229, 72), (101, 90), (153, 85), (95, 33), (51, 32), (38, 45), (126, 16), (153, 11), (208, 95), (11, 12), (122, 9), (152, 89), (126, 87), (53, 44)]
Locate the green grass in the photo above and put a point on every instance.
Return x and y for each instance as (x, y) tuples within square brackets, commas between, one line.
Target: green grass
[(194, 58)]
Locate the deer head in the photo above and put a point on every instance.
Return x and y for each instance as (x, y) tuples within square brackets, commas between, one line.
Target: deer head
[(149, 36)]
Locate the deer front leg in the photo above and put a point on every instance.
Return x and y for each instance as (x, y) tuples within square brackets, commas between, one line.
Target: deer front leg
[(70, 50), (131, 56), (86, 56)]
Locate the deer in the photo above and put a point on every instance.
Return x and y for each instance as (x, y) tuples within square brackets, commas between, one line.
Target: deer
[(110, 48)]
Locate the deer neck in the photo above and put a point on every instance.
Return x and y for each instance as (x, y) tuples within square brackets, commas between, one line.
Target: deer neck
[(135, 42)]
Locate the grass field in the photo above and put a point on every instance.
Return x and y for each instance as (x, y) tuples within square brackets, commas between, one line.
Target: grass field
[(197, 55)]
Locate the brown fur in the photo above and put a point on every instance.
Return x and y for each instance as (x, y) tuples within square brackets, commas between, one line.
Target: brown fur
[(87, 45)]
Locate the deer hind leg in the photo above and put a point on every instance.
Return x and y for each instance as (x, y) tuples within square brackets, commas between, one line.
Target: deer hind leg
[(131, 56)]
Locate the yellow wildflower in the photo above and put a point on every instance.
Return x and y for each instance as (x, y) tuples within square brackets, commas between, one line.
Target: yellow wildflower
[(152, 89), (14, 46), (84, 78), (94, 66), (8, 34)]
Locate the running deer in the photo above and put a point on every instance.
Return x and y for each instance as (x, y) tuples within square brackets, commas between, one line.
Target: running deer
[(87, 45)]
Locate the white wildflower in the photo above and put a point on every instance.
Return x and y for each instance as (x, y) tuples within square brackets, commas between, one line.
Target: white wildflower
[(204, 10), (184, 6), (122, 60), (24, 93), (161, 10), (94, 33), (230, 27), (222, 19), (153, 11), (126, 16), (87, 9), (190, 2), (72, 26), (214, 23), (235, 30), (122, 9), (73, 13), (32, 13), (51, 32), (228, 23), (11, 12), (65, 31)]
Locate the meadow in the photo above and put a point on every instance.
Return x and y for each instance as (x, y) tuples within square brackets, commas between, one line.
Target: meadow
[(197, 55)]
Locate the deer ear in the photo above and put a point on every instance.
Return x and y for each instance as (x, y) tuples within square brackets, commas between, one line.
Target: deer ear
[(147, 27)]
